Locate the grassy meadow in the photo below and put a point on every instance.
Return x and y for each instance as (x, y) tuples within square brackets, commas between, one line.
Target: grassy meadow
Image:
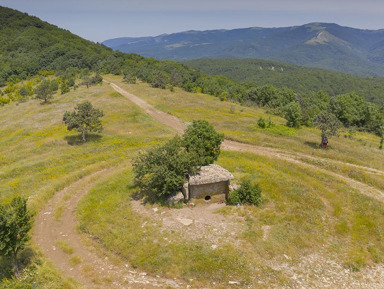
[(240, 123), (39, 157), (305, 210)]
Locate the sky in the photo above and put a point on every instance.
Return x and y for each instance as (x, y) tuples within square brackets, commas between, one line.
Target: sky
[(99, 20)]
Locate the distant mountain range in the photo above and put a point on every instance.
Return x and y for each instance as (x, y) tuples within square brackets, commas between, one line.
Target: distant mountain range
[(322, 45)]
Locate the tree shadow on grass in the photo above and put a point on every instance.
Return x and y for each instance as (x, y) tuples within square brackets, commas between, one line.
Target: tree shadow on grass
[(312, 144), (75, 140)]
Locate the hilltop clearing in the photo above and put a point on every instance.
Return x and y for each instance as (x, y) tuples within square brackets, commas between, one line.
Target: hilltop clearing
[(187, 222), (310, 194)]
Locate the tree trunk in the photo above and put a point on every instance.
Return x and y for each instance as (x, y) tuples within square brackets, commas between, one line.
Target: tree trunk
[(15, 264), (83, 136)]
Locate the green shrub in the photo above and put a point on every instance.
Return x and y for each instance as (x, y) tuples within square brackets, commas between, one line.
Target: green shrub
[(261, 123), (248, 193), (163, 170), (201, 139)]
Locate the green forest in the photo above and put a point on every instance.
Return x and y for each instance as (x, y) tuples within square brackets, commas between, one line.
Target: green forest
[(30, 47), (301, 79)]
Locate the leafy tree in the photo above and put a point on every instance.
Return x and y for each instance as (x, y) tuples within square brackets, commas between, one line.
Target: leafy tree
[(84, 119), (159, 80), (15, 223), (248, 193), (64, 87), (44, 91), (163, 170), (54, 85), (201, 139), (24, 91), (86, 81), (327, 123), (96, 79), (293, 114), (349, 108)]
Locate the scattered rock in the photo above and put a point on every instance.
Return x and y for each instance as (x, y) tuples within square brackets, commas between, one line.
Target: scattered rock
[(185, 222), (233, 187), (174, 199)]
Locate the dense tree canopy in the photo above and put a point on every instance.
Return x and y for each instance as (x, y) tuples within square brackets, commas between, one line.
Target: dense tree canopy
[(163, 170), (201, 139), (84, 119)]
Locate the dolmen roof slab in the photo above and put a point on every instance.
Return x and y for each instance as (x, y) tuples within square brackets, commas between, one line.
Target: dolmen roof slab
[(209, 175)]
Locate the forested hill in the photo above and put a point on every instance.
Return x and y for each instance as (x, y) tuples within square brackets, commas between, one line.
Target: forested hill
[(284, 75), (322, 45), (33, 51), (29, 45)]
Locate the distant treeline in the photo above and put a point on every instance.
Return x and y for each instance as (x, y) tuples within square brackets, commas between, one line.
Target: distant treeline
[(29, 46), (301, 79)]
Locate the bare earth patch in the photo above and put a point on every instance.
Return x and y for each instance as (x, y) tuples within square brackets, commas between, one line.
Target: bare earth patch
[(201, 222)]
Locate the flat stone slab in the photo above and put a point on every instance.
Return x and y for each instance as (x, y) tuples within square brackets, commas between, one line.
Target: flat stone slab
[(185, 222)]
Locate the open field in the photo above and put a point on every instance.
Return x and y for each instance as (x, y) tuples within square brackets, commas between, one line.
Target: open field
[(39, 157), (308, 222)]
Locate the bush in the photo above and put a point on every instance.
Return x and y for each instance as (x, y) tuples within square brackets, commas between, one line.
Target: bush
[(293, 114), (248, 193), (261, 123), (201, 139), (163, 170)]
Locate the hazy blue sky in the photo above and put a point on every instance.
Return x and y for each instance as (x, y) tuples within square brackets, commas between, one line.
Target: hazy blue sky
[(98, 20)]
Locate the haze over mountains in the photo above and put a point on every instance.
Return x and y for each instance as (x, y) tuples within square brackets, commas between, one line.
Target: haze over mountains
[(322, 45)]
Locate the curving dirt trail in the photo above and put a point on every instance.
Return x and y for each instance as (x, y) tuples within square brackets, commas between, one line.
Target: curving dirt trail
[(179, 126), (94, 271)]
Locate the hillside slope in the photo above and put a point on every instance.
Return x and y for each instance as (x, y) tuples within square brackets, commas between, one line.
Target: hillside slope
[(29, 45), (300, 79), (321, 45), (40, 158)]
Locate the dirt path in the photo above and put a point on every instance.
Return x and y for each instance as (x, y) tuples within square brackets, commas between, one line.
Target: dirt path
[(57, 222), (84, 264), (179, 126)]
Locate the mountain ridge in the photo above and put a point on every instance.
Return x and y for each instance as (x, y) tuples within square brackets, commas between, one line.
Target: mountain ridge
[(322, 45)]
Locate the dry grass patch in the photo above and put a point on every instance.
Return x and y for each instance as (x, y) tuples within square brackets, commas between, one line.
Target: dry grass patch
[(65, 247)]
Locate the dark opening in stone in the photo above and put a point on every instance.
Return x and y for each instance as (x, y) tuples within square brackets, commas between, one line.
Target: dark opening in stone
[(207, 198)]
